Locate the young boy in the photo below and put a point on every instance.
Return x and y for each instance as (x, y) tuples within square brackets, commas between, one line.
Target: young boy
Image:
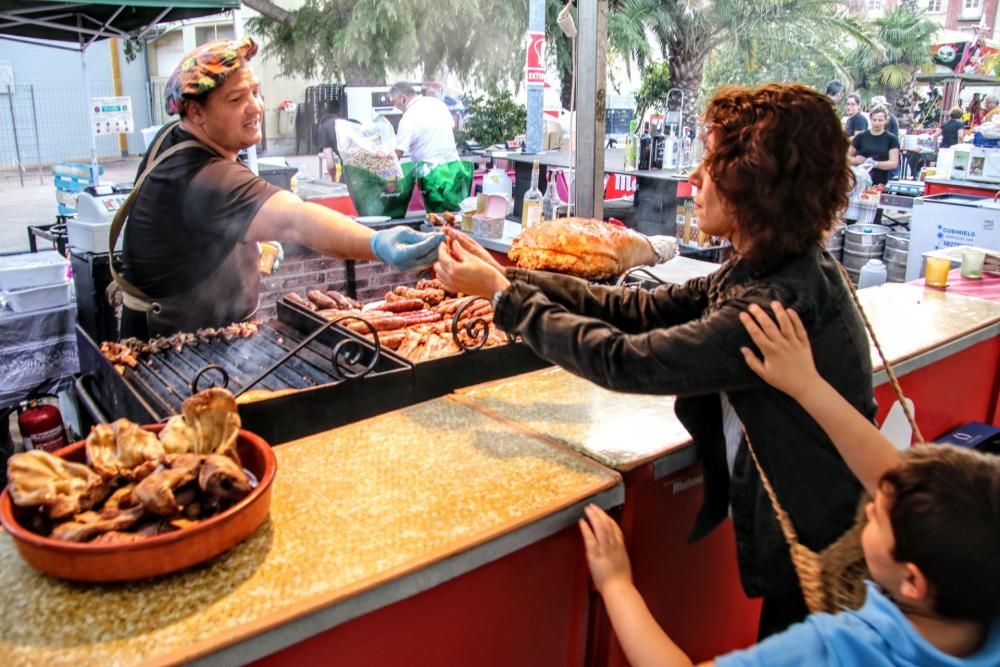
[(932, 542)]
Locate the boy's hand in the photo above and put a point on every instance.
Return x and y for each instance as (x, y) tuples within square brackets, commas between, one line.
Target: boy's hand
[(788, 362), (605, 547), (468, 243)]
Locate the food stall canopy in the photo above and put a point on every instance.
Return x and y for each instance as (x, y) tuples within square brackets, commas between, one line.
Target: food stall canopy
[(84, 23), (953, 83)]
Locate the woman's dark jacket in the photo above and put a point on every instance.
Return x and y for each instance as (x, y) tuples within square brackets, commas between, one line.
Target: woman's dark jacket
[(685, 340)]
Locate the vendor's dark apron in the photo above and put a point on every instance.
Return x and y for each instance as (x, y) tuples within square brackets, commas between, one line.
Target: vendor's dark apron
[(230, 294)]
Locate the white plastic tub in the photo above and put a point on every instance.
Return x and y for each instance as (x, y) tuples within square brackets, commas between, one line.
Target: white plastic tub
[(37, 298), (32, 269)]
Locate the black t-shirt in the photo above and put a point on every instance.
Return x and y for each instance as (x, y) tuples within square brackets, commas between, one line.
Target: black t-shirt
[(949, 132), (877, 148), (191, 212), (856, 123), (326, 136)]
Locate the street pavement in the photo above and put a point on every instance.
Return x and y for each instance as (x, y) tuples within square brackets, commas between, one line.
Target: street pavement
[(34, 203)]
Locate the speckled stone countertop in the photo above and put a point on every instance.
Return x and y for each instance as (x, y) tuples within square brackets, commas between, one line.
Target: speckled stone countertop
[(362, 508), (622, 431), (911, 320)]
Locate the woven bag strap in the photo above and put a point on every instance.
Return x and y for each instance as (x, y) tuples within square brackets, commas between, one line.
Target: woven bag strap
[(885, 362), (786, 521)]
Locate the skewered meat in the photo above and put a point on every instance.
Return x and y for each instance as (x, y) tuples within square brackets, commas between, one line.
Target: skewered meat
[(86, 525), (212, 416), (119, 354), (63, 488), (156, 492), (321, 300), (122, 448), (222, 478)]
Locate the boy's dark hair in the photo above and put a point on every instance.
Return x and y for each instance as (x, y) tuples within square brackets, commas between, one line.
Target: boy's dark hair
[(956, 113), (944, 507), (834, 88)]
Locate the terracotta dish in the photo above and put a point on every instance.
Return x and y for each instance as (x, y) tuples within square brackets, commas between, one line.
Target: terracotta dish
[(162, 554)]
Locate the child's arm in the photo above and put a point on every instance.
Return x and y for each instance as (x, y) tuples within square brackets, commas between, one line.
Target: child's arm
[(642, 639), (788, 365)]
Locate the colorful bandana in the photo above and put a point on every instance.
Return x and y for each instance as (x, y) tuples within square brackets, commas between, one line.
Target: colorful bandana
[(205, 68)]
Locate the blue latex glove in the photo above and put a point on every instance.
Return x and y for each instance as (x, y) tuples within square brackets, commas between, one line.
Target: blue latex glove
[(405, 249)]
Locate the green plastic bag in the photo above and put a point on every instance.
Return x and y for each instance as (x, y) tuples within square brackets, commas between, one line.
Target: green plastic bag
[(374, 195), (445, 186)]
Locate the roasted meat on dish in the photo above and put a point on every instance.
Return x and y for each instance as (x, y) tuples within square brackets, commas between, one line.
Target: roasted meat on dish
[(62, 488)]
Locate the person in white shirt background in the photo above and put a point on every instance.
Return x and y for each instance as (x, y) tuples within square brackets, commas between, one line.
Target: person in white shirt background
[(426, 134), (427, 130)]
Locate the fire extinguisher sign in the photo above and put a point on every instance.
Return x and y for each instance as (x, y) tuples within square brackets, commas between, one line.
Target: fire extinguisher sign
[(535, 59)]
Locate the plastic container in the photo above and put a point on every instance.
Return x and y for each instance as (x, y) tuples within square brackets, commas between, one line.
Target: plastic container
[(32, 269), (497, 182), (37, 298), (277, 175), (872, 274)]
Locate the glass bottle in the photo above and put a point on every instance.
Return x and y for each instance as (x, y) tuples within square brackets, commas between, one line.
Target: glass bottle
[(632, 146), (670, 150), (531, 209), (656, 160), (551, 203), (645, 148)]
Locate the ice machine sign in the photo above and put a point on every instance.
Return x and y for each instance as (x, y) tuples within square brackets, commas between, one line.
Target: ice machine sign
[(111, 115)]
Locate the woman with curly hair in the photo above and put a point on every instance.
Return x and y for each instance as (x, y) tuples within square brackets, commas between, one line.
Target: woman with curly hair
[(774, 178)]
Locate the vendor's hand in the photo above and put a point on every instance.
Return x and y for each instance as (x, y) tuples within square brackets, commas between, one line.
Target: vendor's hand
[(788, 362), (468, 243), (664, 248), (462, 271), (605, 545), (406, 249)]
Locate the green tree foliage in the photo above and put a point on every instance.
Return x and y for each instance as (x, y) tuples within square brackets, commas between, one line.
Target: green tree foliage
[(905, 39), (688, 32), (653, 91), (360, 41), (494, 118)]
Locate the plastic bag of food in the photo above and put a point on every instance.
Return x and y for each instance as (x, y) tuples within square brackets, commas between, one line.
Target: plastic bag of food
[(444, 186), (376, 181)]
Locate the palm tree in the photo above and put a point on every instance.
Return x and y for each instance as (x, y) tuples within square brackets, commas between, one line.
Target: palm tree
[(688, 32), (905, 37)]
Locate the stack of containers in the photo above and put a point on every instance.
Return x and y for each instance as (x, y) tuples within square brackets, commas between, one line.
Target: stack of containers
[(862, 243), (897, 246), (34, 281)]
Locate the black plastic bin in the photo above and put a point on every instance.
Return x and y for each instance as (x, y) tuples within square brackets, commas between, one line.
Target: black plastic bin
[(280, 176)]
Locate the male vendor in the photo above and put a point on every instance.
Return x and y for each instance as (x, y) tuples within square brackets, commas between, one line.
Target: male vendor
[(190, 255)]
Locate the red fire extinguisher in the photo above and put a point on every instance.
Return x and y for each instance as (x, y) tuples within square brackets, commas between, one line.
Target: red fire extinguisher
[(41, 425)]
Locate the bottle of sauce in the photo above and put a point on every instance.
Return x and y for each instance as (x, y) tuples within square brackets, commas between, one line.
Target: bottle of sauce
[(632, 147), (645, 148), (531, 208)]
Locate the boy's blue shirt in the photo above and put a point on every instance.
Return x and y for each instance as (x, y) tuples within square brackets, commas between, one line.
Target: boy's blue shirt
[(876, 635)]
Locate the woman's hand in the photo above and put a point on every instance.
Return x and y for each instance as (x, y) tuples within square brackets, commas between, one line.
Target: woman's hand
[(462, 268), (605, 547), (469, 244), (788, 362)]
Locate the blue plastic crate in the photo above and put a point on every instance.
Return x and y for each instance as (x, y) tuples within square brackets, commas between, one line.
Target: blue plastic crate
[(979, 140)]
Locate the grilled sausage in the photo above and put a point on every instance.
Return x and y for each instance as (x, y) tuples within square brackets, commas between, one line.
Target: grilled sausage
[(402, 305), (321, 300), (379, 324), (299, 301), (420, 317)]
